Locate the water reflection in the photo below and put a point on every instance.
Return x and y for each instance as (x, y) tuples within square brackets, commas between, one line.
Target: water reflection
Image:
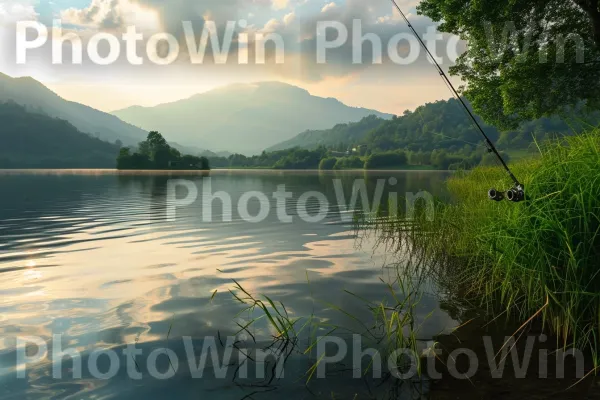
[(92, 256)]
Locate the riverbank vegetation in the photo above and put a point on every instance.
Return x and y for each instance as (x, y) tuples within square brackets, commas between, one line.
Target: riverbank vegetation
[(154, 153), (325, 159), (535, 260)]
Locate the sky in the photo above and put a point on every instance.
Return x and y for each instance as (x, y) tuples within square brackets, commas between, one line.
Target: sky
[(399, 77)]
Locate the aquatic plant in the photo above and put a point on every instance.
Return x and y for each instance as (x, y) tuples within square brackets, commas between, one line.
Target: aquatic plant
[(395, 325), (539, 259)]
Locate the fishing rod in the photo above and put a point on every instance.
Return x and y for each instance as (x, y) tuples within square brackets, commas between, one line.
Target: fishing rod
[(516, 193)]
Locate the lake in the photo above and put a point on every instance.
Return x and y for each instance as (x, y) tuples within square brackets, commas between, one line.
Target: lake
[(98, 260)]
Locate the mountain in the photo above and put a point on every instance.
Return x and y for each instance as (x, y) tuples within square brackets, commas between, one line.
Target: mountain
[(444, 125), (33, 140), (244, 118), (439, 134), (340, 136), (36, 97), (441, 125)]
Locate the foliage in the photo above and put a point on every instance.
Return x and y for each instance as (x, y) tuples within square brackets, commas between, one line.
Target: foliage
[(526, 59), (340, 137), (535, 258), (352, 162), (34, 140), (441, 135), (328, 163), (155, 153), (301, 159), (295, 158), (437, 135), (386, 160)]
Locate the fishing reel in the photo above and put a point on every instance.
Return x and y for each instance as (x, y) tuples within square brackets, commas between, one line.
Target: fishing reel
[(495, 195), (515, 194)]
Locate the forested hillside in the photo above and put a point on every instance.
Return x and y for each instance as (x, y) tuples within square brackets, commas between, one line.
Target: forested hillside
[(32, 140), (442, 126), (34, 95), (339, 137), (445, 125)]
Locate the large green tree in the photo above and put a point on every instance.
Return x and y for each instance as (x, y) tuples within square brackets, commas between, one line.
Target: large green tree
[(525, 58)]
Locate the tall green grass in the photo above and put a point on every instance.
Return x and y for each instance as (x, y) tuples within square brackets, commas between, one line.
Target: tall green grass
[(539, 258)]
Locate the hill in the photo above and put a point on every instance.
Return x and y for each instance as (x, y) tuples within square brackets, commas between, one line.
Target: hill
[(244, 118), (33, 140), (445, 125), (338, 137), (38, 98), (438, 126)]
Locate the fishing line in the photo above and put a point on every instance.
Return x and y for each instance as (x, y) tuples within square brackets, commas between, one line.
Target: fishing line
[(451, 137), (514, 194)]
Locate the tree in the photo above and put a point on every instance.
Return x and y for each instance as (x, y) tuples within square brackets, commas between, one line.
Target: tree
[(386, 160), (327, 163), (162, 156), (525, 58), (352, 162), (156, 140), (155, 153), (153, 143), (204, 163), (124, 159)]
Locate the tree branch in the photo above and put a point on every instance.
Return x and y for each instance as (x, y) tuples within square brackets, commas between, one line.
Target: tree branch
[(591, 7)]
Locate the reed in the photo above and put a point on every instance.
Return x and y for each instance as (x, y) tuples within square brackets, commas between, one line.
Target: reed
[(539, 258), (394, 325)]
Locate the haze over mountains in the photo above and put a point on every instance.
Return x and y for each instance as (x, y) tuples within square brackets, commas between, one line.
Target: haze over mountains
[(34, 140), (36, 97), (244, 118)]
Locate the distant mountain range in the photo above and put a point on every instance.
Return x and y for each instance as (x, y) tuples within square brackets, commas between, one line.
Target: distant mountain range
[(46, 129), (36, 97), (33, 140), (244, 118)]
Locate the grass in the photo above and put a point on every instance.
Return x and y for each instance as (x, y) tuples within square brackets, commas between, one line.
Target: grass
[(394, 325), (539, 259)]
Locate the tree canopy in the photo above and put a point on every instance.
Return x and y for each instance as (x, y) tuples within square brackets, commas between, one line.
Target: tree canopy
[(525, 58), (155, 153)]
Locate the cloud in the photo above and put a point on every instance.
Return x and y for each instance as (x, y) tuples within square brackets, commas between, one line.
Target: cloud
[(110, 15), (289, 18), (328, 7), (272, 25), (280, 4), (13, 11), (297, 29), (376, 19)]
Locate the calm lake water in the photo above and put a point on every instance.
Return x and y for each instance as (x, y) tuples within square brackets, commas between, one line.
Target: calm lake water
[(93, 256)]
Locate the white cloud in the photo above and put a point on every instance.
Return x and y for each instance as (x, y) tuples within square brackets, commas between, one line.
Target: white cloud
[(272, 25), (328, 7), (289, 18), (112, 15), (12, 11), (393, 18), (280, 4)]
